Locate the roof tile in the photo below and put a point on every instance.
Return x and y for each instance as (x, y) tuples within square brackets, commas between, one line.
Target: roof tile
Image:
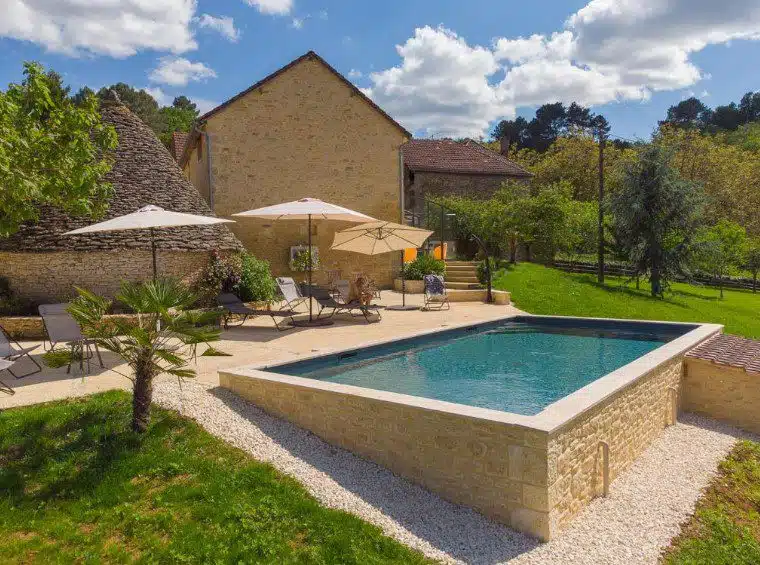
[(449, 156), (730, 350)]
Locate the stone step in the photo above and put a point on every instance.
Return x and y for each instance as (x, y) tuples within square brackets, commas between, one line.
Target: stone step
[(462, 285), (455, 263), (461, 267), (462, 279)]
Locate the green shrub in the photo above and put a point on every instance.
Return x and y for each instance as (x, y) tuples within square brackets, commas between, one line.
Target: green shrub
[(423, 265), (256, 281), (495, 265), (10, 303), (222, 274)]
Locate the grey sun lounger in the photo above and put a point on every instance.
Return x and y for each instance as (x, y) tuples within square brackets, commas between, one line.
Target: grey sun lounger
[(61, 327), (5, 365), (435, 293), (235, 308), (291, 292), (11, 350), (326, 300)]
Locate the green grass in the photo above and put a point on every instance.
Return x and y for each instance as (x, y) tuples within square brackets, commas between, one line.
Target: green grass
[(77, 486), (542, 290), (725, 528)]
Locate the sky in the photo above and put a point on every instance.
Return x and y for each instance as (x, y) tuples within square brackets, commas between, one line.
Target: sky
[(443, 68)]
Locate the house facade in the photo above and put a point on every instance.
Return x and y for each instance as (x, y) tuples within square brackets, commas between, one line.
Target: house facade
[(438, 167), (42, 265), (304, 131)]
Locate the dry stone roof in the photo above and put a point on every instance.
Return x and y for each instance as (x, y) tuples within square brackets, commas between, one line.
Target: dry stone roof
[(143, 173)]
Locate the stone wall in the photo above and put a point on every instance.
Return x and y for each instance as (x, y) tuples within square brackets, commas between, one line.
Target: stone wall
[(628, 422), (51, 277), (304, 133), (494, 467), (427, 184), (726, 393)]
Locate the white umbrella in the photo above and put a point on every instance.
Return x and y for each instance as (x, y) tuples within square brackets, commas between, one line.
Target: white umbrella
[(150, 217), (382, 237), (307, 209)]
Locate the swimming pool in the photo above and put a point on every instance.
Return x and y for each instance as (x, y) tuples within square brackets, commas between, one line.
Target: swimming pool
[(525, 419), (520, 366)]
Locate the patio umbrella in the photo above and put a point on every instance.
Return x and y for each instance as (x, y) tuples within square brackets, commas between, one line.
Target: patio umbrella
[(150, 217), (307, 209), (382, 237)]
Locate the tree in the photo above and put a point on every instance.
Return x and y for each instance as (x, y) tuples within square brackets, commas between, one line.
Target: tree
[(139, 102), (655, 214), (752, 259), (184, 103), (720, 249), (180, 116), (52, 151), (162, 339), (689, 113)]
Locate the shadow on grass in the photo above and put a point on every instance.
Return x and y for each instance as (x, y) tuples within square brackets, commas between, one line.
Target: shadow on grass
[(456, 530)]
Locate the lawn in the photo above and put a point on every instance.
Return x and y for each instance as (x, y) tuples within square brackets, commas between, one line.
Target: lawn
[(79, 487), (542, 290), (725, 528)]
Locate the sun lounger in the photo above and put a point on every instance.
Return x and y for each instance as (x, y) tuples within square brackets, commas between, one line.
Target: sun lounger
[(435, 293), (61, 327), (5, 387), (235, 308), (291, 292), (325, 301), (11, 350)]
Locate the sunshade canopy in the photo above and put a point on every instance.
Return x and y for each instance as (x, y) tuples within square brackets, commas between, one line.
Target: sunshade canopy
[(307, 208), (379, 237), (150, 217)]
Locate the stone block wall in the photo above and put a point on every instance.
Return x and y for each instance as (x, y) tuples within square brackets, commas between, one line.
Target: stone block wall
[(726, 393), (429, 184), (628, 422), (51, 277), (495, 467), (304, 133)]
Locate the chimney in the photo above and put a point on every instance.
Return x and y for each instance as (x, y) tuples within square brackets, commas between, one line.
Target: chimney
[(504, 145)]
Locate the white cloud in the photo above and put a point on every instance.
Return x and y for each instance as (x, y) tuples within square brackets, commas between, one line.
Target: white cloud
[(297, 23), (277, 7), (323, 15), (118, 29), (609, 50), (223, 24), (178, 71), (354, 73)]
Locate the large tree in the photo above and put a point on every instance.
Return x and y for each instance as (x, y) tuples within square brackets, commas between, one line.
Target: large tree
[(655, 215), (139, 102), (52, 151), (180, 116)]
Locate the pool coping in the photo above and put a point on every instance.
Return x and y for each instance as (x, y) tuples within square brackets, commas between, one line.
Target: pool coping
[(551, 419)]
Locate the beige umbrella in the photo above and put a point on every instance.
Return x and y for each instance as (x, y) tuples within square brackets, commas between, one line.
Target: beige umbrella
[(382, 237), (150, 217), (308, 209)]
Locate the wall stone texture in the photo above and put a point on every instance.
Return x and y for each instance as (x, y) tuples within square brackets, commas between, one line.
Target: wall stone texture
[(429, 184), (726, 393), (628, 422), (304, 133), (497, 468), (51, 277)]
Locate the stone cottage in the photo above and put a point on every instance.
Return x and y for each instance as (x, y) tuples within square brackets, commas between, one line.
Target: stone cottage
[(436, 167), (42, 265), (303, 131)]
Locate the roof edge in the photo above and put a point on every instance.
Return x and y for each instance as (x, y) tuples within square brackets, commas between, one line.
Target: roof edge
[(306, 56)]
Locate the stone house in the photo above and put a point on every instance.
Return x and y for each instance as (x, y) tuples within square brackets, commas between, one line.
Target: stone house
[(437, 167), (303, 131), (42, 265)]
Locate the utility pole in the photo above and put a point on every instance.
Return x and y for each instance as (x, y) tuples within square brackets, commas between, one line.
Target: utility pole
[(600, 258)]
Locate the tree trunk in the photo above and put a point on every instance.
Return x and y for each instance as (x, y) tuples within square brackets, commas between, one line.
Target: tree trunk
[(656, 281), (513, 250), (142, 396), (754, 281), (528, 254)]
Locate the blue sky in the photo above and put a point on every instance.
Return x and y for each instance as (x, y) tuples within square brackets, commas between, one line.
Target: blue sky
[(441, 68)]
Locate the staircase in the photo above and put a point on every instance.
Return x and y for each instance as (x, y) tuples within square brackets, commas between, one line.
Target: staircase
[(462, 275)]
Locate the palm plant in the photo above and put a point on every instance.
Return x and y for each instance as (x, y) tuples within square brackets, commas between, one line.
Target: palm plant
[(163, 338)]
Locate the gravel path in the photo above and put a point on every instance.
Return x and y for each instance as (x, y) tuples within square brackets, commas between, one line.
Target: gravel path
[(642, 513)]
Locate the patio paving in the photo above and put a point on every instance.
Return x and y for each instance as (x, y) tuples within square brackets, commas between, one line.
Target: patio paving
[(253, 343)]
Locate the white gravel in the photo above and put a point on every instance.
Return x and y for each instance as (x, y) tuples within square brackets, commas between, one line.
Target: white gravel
[(641, 515)]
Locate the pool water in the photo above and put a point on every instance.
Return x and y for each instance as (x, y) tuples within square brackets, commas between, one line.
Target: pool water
[(518, 366)]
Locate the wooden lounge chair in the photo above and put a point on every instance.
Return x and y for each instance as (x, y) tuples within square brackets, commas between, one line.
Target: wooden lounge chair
[(435, 293), (11, 350), (61, 327), (233, 307), (291, 292), (325, 300)]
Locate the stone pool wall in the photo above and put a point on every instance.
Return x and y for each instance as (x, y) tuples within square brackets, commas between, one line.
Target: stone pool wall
[(500, 469), (628, 422)]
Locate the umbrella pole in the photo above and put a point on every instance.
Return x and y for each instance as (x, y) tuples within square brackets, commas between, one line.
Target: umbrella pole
[(153, 249), (309, 276)]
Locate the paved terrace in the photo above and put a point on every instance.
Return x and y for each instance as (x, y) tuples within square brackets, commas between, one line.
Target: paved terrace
[(256, 342)]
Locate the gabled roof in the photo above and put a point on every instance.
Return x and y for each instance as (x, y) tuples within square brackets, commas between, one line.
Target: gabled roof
[(311, 55), (463, 157), (178, 142), (143, 173)]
